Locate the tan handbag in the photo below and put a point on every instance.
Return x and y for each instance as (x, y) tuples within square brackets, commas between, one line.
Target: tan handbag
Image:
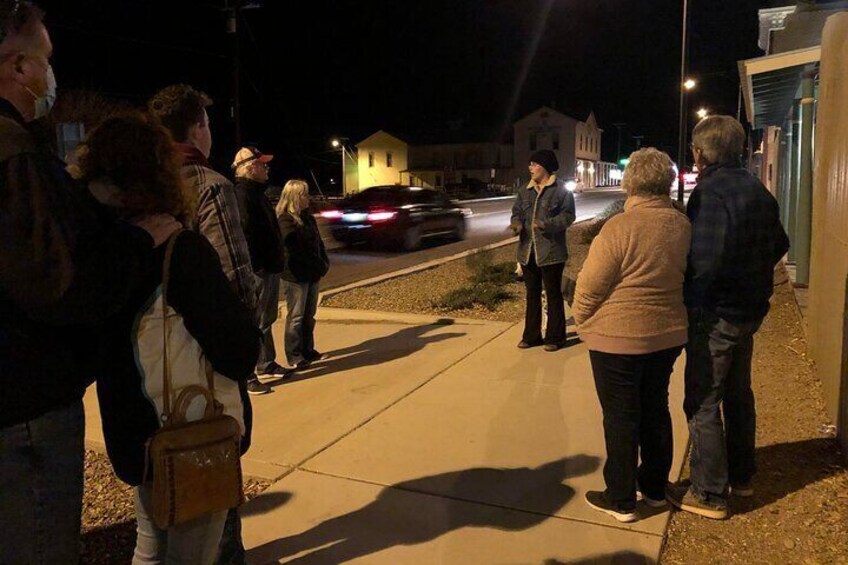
[(196, 465)]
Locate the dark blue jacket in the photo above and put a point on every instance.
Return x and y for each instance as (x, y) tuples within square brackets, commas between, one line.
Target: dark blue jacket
[(737, 240)]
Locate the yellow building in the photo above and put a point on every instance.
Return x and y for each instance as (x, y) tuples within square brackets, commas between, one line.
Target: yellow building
[(381, 159)]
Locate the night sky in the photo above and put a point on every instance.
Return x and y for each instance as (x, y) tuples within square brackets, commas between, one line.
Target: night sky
[(426, 70)]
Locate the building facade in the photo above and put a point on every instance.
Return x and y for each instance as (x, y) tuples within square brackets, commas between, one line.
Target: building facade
[(497, 166)]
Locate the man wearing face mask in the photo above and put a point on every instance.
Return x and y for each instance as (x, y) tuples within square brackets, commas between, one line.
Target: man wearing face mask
[(65, 265)]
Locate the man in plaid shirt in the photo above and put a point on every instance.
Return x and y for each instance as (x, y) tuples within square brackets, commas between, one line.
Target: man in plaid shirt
[(737, 240)]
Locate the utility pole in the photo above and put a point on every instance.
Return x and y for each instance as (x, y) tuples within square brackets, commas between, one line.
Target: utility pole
[(638, 139), (619, 126), (232, 9), (681, 127)]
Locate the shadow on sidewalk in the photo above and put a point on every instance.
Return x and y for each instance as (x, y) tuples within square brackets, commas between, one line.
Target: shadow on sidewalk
[(376, 351), (785, 468), (264, 503), (618, 558), (391, 520)]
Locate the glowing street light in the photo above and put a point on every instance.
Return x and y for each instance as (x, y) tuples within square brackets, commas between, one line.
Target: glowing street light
[(702, 113), (689, 84), (339, 143), (335, 143)]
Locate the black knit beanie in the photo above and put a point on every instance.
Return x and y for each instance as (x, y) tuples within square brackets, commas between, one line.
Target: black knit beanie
[(547, 159)]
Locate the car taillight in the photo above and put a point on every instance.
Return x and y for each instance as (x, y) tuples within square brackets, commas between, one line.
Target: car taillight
[(331, 214), (380, 215)]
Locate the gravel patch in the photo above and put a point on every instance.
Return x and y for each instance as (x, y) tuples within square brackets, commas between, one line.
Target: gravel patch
[(108, 517), (799, 512), (416, 293)]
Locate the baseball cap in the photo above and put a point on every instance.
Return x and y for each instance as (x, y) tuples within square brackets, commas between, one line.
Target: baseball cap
[(250, 153)]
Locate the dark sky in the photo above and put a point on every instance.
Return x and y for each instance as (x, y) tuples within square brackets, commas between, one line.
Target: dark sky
[(317, 68)]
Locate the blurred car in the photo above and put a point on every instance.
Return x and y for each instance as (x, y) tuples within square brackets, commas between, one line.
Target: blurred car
[(397, 215), (575, 184)]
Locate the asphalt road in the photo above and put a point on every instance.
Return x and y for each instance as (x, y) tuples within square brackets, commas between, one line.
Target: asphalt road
[(487, 224)]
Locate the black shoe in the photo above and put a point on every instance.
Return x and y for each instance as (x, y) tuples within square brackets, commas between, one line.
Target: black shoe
[(303, 364), (255, 387), (313, 356), (528, 344), (274, 371), (598, 500)]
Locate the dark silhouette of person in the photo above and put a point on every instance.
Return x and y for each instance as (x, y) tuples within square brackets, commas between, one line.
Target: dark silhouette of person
[(506, 499)]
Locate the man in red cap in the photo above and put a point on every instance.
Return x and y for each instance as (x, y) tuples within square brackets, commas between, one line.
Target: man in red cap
[(264, 242)]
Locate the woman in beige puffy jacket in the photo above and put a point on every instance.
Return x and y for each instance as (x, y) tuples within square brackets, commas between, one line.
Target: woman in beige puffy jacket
[(629, 310)]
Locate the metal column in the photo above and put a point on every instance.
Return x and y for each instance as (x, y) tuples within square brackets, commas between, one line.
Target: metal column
[(804, 218)]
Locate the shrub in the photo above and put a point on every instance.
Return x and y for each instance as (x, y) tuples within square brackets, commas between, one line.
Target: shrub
[(487, 295), (498, 275), (594, 227)]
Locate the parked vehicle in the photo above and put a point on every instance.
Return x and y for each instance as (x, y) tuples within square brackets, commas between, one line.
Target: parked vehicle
[(397, 215)]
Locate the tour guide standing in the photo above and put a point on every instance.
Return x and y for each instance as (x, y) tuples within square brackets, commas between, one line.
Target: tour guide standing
[(541, 214), (737, 240)]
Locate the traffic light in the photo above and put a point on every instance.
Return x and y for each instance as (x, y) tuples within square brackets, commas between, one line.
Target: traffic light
[(624, 162)]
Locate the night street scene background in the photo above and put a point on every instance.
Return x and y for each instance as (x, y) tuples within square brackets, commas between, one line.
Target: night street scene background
[(432, 70)]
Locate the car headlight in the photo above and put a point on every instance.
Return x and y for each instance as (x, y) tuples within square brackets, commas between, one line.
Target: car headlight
[(571, 185)]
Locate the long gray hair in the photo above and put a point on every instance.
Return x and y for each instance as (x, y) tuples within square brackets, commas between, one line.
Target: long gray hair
[(290, 199)]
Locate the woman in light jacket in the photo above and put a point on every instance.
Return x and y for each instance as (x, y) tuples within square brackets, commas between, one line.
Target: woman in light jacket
[(629, 309), (131, 166), (304, 263)]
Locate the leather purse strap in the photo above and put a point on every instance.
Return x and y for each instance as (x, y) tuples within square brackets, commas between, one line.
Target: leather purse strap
[(167, 414)]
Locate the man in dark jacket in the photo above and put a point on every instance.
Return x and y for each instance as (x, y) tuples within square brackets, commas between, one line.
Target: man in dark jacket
[(64, 265), (737, 240), (262, 232), (542, 212)]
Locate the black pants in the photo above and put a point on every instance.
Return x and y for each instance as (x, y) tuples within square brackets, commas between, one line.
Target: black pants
[(534, 278), (633, 390)]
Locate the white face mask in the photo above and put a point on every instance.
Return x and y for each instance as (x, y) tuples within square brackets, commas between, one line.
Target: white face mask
[(44, 103)]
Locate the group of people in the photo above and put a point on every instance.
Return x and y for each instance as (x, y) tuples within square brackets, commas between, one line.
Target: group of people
[(88, 252), (656, 281)]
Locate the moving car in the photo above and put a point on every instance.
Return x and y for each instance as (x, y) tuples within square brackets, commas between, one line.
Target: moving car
[(396, 215)]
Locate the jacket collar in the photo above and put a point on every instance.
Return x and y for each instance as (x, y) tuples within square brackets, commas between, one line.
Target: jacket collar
[(647, 201), (251, 185), (710, 170), (192, 156), (551, 181), (8, 109)]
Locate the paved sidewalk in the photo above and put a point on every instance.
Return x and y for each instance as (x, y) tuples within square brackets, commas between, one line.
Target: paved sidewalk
[(422, 440)]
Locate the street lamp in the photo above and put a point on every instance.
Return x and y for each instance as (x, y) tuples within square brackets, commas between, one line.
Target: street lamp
[(339, 143), (689, 84), (703, 113)]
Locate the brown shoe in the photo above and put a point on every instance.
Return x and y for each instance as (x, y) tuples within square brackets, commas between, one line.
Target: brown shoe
[(553, 346), (527, 344)]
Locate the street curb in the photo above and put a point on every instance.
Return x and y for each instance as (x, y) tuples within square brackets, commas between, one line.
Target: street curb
[(425, 266)]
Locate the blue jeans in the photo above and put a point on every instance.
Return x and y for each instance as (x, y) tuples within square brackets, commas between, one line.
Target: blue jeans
[(192, 543), (718, 380), (41, 481), (301, 304), (269, 301)]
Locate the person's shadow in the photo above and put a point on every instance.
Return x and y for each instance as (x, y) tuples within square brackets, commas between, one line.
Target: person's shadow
[(376, 351), (779, 463), (451, 501)]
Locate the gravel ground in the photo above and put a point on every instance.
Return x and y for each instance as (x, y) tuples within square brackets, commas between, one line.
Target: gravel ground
[(415, 293), (108, 519), (799, 513)]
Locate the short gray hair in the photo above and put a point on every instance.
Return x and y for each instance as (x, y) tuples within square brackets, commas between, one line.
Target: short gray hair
[(720, 139), (649, 172)]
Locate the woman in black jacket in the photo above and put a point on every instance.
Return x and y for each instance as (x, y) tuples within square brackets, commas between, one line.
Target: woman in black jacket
[(305, 262), (132, 166)]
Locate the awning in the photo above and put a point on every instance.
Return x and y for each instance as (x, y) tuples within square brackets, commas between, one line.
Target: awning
[(770, 84)]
